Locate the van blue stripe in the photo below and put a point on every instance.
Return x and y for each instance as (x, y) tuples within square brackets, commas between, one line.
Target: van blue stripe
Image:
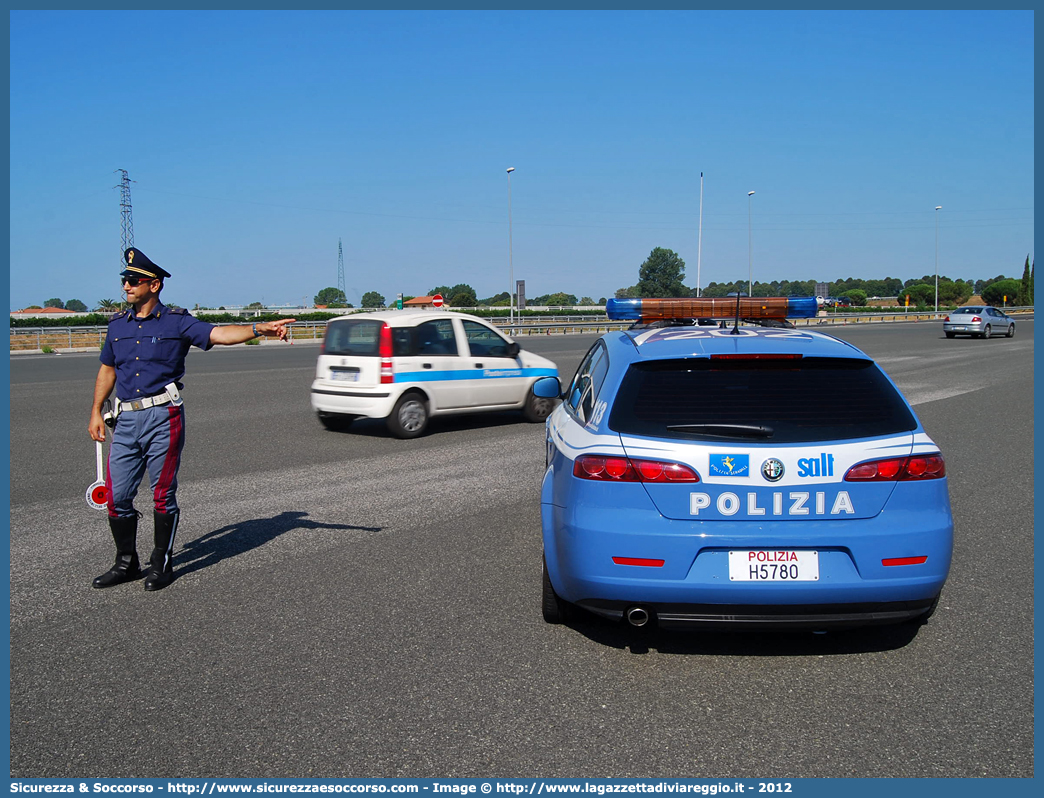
[(472, 374)]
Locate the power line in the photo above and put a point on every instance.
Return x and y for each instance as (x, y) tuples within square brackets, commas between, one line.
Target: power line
[(813, 221)]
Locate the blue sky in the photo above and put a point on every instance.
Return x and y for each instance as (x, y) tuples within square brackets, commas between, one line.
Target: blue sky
[(256, 140)]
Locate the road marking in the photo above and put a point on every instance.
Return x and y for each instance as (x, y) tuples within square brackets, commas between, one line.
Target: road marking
[(920, 398)]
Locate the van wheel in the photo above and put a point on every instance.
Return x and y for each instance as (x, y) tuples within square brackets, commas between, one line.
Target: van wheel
[(336, 421), (537, 408), (409, 418)]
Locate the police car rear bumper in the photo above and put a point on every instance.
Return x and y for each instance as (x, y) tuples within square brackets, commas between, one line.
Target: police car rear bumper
[(580, 545), (740, 617)]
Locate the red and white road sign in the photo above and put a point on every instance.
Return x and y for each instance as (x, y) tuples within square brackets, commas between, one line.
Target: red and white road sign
[(436, 301)]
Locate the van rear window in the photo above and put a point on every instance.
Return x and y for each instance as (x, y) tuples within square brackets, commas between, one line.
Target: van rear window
[(361, 338), (358, 338), (777, 401)]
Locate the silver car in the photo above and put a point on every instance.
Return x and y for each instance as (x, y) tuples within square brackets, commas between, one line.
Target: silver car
[(979, 321)]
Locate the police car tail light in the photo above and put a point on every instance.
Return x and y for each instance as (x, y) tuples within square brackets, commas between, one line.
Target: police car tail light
[(899, 469), (385, 352), (625, 469)]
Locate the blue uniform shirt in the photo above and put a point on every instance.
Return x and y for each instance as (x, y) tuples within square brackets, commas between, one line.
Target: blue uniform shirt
[(149, 353)]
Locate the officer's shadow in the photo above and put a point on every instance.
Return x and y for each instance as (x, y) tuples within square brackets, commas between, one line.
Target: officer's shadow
[(239, 538)]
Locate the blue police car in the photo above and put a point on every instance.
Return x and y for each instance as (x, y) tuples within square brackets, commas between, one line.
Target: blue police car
[(743, 473)]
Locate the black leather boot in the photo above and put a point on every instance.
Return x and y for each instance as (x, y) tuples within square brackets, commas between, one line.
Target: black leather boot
[(127, 568), (161, 570)]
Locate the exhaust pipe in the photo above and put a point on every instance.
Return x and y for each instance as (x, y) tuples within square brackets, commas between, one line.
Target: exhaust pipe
[(637, 616)]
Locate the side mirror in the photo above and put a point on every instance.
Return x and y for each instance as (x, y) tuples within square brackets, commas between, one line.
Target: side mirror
[(513, 349), (547, 388)]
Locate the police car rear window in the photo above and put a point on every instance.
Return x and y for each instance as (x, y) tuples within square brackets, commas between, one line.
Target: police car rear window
[(777, 401)]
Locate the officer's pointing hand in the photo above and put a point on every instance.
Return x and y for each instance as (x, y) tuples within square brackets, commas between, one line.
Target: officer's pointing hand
[(277, 328)]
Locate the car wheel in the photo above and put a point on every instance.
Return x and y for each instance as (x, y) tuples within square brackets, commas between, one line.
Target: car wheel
[(987, 332), (537, 408), (409, 418), (554, 609), (336, 421), (1011, 331), (922, 619), (950, 334)]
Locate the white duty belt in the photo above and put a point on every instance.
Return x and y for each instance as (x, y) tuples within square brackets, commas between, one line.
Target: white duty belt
[(170, 395)]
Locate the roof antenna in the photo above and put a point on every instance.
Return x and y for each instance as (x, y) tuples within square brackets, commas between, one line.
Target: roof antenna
[(735, 328)]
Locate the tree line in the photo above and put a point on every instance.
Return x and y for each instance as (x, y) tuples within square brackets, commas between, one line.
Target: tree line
[(663, 272), (461, 295)]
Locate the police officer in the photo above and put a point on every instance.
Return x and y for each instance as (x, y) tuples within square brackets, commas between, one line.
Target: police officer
[(143, 358)]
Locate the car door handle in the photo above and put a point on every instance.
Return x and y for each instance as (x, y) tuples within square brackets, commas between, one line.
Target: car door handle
[(427, 365), (478, 365)]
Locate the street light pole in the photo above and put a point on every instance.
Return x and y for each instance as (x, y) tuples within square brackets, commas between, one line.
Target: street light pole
[(750, 250), (699, 239), (937, 209), (511, 263)]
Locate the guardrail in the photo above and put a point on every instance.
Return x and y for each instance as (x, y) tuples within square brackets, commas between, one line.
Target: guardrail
[(56, 339), (517, 329)]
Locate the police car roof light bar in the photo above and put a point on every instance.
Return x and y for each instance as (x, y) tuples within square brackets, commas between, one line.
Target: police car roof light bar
[(712, 308)]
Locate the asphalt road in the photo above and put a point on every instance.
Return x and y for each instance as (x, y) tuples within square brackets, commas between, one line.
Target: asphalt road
[(352, 605)]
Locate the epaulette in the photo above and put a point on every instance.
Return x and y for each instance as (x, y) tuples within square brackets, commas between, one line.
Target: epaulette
[(179, 311), (121, 315)]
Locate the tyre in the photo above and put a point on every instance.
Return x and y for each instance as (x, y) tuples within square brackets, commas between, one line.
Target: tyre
[(554, 609), (987, 332), (409, 417), (950, 335), (537, 408), (336, 422), (922, 619), (1011, 331)]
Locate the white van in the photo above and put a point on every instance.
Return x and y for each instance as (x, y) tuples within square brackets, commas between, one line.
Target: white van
[(409, 365)]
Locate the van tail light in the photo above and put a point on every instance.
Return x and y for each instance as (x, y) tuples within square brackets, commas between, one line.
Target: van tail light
[(626, 469), (899, 469), (385, 352)]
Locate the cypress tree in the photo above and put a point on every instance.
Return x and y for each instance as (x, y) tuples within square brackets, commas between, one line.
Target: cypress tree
[(1024, 289)]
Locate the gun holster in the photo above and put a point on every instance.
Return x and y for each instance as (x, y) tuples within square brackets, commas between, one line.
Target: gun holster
[(109, 414)]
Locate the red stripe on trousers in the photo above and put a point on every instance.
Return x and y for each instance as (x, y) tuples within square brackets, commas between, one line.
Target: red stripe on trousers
[(172, 460)]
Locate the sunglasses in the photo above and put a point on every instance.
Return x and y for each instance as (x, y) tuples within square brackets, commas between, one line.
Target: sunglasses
[(133, 282)]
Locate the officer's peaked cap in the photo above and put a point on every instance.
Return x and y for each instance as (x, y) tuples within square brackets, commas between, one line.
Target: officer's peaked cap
[(139, 265)]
